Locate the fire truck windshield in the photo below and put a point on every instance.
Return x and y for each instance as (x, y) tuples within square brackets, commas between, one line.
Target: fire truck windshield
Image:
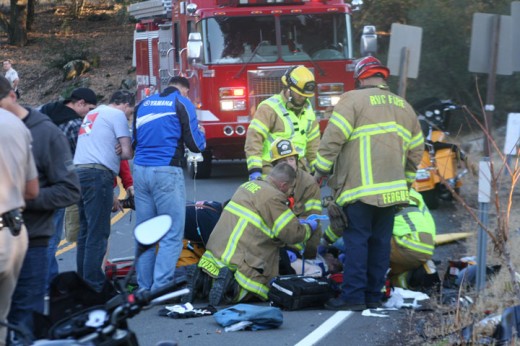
[(303, 37)]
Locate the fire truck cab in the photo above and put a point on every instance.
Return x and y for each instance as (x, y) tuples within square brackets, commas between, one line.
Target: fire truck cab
[(234, 53)]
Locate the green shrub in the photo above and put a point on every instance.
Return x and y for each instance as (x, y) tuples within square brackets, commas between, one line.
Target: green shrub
[(122, 16), (64, 51)]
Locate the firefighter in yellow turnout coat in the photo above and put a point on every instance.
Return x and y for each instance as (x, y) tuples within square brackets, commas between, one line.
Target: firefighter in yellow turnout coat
[(286, 115), (306, 198), (245, 243), (374, 142)]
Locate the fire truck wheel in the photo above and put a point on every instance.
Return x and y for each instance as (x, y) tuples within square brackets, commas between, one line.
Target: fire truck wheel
[(431, 198), (203, 168)]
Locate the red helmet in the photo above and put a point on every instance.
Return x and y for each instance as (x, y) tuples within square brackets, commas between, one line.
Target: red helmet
[(368, 67)]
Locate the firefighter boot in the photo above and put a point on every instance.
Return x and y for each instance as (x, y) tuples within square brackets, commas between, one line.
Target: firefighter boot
[(195, 283), (221, 286)]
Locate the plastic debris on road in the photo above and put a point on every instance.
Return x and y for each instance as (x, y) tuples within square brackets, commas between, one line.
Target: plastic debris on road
[(400, 296), (186, 311), (180, 308), (369, 313)]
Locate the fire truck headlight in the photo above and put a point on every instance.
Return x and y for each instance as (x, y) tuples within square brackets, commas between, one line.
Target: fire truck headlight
[(328, 94), (328, 101), (226, 105), (334, 100), (232, 105)]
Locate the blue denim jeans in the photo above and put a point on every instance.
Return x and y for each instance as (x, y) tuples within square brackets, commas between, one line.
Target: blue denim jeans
[(54, 242), (367, 252), (29, 294), (94, 218), (160, 190)]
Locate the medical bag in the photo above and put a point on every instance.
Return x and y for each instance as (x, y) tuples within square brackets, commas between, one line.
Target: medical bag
[(294, 292)]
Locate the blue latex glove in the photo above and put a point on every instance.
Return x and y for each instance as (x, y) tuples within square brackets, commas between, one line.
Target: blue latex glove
[(254, 176), (292, 256), (317, 217), (312, 223)]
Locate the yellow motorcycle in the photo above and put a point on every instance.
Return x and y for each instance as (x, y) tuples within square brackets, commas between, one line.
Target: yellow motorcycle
[(443, 163)]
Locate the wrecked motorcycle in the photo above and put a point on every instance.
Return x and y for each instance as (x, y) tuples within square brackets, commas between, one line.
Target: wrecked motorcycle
[(443, 163)]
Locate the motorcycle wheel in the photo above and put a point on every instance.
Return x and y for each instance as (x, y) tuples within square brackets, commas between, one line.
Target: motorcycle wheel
[(431, 198)]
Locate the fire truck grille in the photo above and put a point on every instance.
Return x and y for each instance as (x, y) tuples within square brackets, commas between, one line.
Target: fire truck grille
[(262, 84)]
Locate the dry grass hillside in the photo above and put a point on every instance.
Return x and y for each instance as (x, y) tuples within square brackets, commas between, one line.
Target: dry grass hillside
[(102, 33)]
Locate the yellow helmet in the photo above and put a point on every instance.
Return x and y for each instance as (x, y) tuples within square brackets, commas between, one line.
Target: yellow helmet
[(282, 148), (300, 80)]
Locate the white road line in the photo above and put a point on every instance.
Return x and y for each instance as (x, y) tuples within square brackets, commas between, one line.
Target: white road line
[(325, 328)]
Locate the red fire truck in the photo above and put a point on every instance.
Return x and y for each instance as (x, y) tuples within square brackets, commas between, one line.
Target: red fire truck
[(234, 53)]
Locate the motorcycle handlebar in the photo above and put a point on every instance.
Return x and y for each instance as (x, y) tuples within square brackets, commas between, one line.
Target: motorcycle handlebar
[(146, 297), (123, 307), (170, 296)]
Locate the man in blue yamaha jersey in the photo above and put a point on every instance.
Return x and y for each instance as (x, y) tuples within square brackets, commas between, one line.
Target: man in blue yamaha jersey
[(163, 124)]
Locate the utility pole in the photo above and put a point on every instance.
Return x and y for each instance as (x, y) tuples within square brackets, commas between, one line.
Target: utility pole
[(403, 71), (485, 176)]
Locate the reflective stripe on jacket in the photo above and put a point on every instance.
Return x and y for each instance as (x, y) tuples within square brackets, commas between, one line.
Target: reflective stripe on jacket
[(307, 201), (414, 227)]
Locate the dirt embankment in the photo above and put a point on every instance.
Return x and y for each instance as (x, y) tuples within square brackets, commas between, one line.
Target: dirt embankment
[(101, 32)]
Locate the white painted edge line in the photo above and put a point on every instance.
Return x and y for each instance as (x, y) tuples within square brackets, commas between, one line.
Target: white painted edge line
[(325, 328)]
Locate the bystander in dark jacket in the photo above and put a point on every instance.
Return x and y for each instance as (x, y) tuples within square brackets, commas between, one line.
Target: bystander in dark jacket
[(59, 187), (67, 115)]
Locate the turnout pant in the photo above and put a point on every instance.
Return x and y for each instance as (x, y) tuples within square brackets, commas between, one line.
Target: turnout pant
[(403, 259)]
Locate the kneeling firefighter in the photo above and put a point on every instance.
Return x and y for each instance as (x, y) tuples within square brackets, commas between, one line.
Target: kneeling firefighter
[(413, 241), (242, 254)]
